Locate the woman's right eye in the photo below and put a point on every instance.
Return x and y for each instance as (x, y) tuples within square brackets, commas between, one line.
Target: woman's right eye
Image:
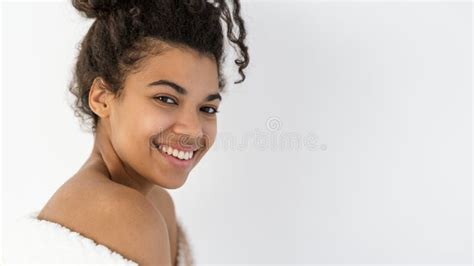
[(165, 99)]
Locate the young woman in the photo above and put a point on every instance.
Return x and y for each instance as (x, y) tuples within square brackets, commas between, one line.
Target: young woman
[(148, 79)]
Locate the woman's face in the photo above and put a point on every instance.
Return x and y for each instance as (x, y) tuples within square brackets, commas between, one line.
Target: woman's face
[(168, 104)]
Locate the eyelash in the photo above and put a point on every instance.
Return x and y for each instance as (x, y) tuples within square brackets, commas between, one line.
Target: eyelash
[(164, 101)]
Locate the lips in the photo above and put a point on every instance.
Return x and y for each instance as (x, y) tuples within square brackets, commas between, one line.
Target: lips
[(183, 155), (179, 147), (177, 162)]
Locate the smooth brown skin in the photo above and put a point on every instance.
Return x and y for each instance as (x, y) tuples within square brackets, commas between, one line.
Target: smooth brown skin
[(117, 197)]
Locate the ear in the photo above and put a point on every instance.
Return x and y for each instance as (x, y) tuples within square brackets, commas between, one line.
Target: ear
[(100, 98)]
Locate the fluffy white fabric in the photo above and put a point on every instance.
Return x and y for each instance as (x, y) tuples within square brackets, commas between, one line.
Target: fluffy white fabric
[(39, 241)]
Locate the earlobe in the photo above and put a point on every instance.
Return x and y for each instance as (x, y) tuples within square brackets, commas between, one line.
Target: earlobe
[(99, 98)]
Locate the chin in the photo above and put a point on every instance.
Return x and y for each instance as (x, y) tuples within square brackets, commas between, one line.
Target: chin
[(174, 182)]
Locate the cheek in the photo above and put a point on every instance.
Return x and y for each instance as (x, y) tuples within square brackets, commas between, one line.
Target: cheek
[(126, 130), (138, 123), (210, 132), (153, 120)]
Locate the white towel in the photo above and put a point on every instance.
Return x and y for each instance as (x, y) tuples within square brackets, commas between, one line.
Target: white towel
[(40, 241)]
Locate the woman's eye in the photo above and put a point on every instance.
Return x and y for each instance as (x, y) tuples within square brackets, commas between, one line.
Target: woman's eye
[(166, 99), (210, 110)]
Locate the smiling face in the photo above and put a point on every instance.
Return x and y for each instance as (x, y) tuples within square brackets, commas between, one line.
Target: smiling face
[(169, 102)]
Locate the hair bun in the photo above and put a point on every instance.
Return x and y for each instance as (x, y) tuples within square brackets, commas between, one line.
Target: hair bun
[(95, 8)]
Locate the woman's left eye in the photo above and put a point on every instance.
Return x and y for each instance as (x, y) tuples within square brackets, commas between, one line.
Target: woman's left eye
[(212, 110)]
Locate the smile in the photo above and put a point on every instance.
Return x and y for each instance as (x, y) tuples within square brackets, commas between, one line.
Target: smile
[(177, 158), (182, 155)]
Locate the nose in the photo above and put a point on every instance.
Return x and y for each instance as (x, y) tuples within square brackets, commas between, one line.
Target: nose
[(188, 128)]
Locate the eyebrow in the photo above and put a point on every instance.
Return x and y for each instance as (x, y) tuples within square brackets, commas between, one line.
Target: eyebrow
[(179, 89)]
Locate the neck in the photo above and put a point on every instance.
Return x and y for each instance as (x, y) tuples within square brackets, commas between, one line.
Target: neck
[(106, 160)]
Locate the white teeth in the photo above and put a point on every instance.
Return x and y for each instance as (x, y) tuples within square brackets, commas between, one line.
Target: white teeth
[(183, 155)]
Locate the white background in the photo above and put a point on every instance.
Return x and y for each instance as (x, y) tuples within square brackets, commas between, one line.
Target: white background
[(384, 90)]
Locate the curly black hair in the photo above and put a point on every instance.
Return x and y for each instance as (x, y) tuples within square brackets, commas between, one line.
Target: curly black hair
[(126, 31)]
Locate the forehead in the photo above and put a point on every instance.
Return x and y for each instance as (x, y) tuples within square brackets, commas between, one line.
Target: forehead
[(182, 65)]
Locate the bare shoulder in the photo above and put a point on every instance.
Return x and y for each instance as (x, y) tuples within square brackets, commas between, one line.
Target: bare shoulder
[(118, 217), (130, 224), (163, 201)]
